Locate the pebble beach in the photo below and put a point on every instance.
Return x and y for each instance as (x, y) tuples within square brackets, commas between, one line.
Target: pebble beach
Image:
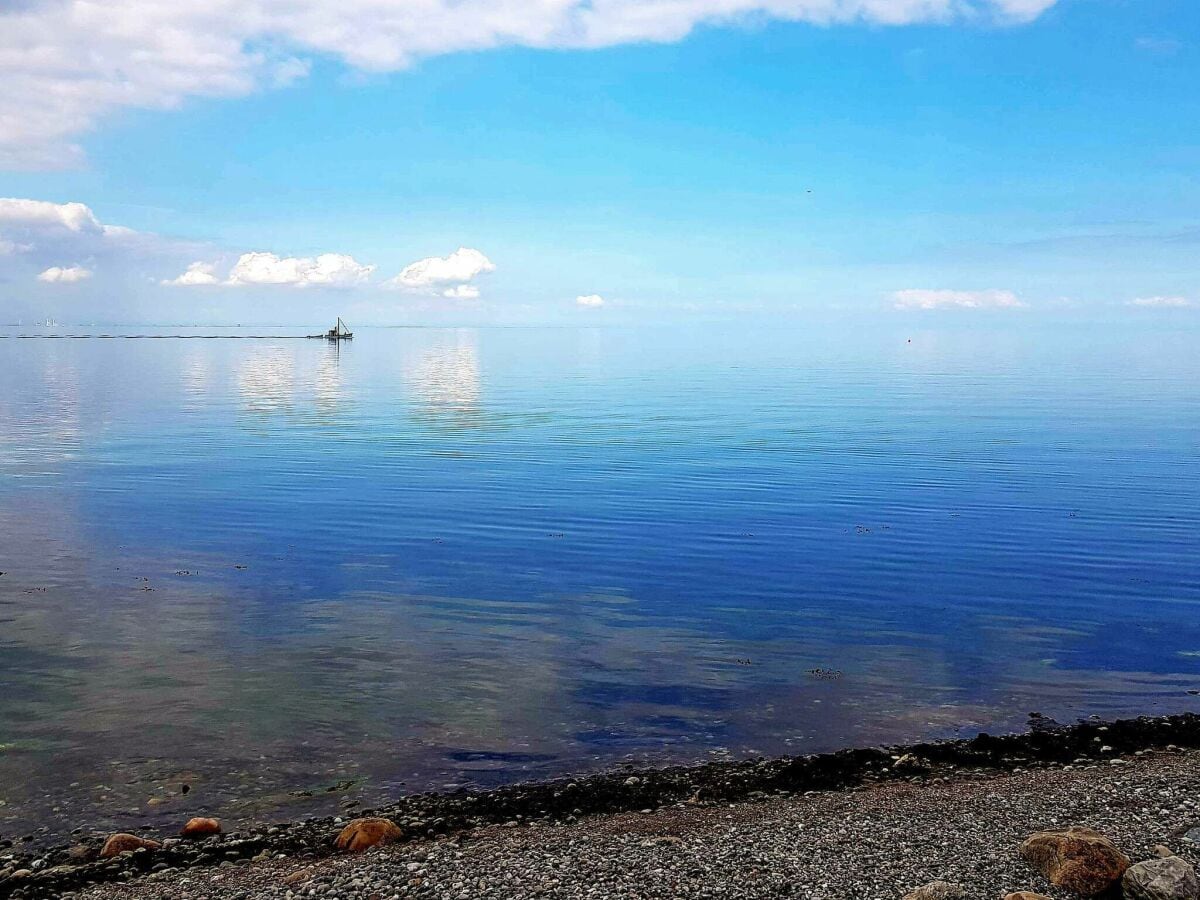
[(886, 824)]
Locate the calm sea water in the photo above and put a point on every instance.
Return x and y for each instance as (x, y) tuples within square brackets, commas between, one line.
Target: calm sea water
[(430, 558)]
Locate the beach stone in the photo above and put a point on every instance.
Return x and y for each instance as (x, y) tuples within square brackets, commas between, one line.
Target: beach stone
[(298, 876), (200, 827), (936, 890), (1025, 895), (1192, 835), (910, 763), (362, 834), (1171, 878), (125, 843), (1163, 851), (1078, 859)]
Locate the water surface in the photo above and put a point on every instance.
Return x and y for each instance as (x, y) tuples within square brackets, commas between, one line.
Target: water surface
[(431, 558)]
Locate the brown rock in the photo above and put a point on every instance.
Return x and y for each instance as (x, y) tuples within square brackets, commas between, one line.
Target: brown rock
[(936, 890), (198, 827), (362, 834), (119, 843), (1077, 859), (1025, 895), (299, 875)]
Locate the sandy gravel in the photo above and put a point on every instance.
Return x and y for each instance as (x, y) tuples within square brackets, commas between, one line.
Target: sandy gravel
[(877, 841)]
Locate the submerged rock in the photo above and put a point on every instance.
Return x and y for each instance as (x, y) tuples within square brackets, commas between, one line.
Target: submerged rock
[(1169, 878), (362, 834), (1077, 859), (120, 842), (936, 890)]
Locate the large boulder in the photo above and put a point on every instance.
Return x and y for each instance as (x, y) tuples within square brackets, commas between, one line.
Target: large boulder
[(936, 890), (119, 843), (1077, 859), (363, 834), (1170, 878)]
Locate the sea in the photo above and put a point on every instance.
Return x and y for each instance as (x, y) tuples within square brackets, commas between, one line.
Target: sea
[(263, 576)]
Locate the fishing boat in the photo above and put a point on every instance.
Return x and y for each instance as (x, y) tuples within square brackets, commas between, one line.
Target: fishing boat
[(338, 332)]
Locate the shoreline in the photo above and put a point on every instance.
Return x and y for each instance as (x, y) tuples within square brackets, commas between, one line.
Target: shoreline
[(437, 817)]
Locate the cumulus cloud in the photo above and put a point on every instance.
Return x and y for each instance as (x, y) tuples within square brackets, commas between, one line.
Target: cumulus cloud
[(919, 298), (1163, 302), (267, 268), (461, 266), (445, 276), (263, 268), (67, 65), (591, 300), (36, 235), (42, 215), (68, 275), (43, 223), (197, 274)]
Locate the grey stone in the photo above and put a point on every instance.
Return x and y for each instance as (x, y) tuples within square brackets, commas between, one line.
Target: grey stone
[(1171, 878)]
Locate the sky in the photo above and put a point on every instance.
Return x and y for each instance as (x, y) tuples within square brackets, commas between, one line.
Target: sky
[(611, 161)]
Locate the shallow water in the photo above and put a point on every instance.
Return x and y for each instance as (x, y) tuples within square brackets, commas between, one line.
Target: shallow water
[(430, 558)]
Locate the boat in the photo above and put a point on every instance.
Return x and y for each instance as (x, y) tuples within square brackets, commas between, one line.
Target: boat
[(338, 332)]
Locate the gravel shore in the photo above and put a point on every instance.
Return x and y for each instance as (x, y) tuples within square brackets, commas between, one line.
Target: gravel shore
[(860, 823), (877, 841)]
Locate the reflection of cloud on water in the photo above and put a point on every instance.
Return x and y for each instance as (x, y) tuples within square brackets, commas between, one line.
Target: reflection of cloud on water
[(445, 380), (196, 372), (328, 388), (253, 685), (267, 380), (42, 421)]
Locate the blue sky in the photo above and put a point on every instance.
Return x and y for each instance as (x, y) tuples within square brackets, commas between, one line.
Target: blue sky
[(1013, 161)]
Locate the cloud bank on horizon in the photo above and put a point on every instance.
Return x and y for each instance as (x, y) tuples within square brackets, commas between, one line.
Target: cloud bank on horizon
[(919, 298), (39, 228), (68, 65)]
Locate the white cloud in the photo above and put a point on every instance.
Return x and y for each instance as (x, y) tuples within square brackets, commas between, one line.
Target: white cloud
[(928, 299), (41, 214), (68, 275), (462, 292), (68, 65), (44, 233), (197, 274), (326, 269), (461, 266), (1163, 302), (263, 268), (592, 300)]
